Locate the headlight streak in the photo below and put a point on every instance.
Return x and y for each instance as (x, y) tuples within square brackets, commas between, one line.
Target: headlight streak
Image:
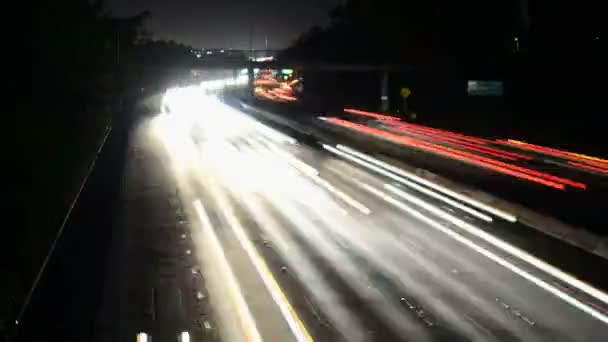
[(254, 163), (289, 314), (466, 199), (313, 174), (395, 174), (324, 295), (227, 157), (510, 249), (246, 319), (383, 251), (346, 268), (497, 243)]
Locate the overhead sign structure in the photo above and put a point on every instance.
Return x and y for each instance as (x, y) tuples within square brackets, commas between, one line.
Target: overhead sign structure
[(485, 88)]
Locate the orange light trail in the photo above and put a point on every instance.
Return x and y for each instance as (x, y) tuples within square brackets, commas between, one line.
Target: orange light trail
[(397, 122), (516, 171), (442, 132), (597, 162), (468, 145), (370, 114)]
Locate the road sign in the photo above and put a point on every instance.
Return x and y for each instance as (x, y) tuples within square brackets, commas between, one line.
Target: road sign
[(406, 92)]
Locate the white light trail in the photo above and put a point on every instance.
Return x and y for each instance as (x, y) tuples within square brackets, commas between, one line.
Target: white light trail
[(410, 184), (333, 249), (341, 195), (289, 314), (466, 199), (295, 162), (246, 319), (425, 191), (313, 174), (326, 296), (553, 271), (499, 260)]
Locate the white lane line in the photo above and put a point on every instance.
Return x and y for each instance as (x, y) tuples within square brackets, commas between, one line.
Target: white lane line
[(469, 243), (289, 314), (449, 201), (313, 174), (324, 294), (466, 199), (273, 134), (553, 271), (342, 195), (428, 192), (297, 163), (245, 317), (406, 182), (266, 130), (510, 249)]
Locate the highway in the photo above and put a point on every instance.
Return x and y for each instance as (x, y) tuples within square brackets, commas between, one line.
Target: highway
[(557, 183), (278, 240)]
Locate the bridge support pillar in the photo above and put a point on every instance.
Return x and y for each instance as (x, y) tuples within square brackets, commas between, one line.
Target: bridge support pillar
[(250, 82), (384, 92)]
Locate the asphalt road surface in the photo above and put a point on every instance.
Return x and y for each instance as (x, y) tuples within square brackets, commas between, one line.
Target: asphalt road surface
[(232, 230), (226, 229)]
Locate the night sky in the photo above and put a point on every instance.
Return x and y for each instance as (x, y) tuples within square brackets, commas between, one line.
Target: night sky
[(226, 23)]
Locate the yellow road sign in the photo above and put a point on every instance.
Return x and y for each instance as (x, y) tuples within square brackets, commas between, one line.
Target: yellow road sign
[(406, 92)]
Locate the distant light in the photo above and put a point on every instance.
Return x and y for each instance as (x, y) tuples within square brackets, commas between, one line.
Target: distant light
[(222, 51), (256, 70), (198, 55), (287, 71), (264, 59), (597, 38), (142, 337), (210, 52), (516, 39), (244, 71), (184, 337)]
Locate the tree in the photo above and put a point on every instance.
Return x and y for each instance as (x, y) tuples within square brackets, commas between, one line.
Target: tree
[(69, 44), (413, 31)]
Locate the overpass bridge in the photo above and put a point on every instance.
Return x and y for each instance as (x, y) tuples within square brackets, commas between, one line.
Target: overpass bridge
[(221, 63)]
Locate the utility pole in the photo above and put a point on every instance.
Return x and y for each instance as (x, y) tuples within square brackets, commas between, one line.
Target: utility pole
[(250, 73), (384, 91), (117, 47), (251, 40), (117, 79)]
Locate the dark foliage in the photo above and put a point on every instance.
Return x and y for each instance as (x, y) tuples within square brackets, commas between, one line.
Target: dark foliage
[(454, 32)]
